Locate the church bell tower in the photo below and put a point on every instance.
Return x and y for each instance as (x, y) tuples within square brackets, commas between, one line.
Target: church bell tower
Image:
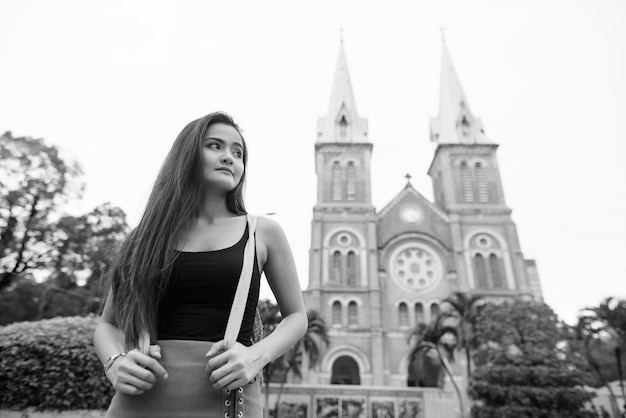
[(343, 263), (467, 186)]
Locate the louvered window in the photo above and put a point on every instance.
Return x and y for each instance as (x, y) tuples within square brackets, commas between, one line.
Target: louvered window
[(481, 183), (466, 183), (351, 181), (336, 181)]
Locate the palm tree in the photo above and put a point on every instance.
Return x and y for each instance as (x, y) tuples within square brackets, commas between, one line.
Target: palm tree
[(466, 307), (602, 330), (268, 318), (612, 313), (431, 356), (309, 348)]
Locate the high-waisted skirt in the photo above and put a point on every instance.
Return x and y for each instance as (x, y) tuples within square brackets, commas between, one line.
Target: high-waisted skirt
[(187, 392)]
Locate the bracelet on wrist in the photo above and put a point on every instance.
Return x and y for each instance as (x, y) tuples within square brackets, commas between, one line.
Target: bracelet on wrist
[(111, 360)]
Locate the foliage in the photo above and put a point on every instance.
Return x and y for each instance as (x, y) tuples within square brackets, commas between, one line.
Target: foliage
[(34, 181), (310, 345), (522, 368), (84, 244), (601, 331), (611, 313), (466, 307), (430, 344), (601, 335), (81, 248), (51, 365), (20, 301)]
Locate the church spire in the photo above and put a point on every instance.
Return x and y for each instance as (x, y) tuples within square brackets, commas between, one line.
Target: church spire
[(342, 122), (456, 124)]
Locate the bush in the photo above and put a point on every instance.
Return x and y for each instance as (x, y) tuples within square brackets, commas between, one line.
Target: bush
[(52, 365)]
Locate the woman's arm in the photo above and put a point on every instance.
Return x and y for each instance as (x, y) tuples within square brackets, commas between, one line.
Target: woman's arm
[(134, 372), (240, 364)]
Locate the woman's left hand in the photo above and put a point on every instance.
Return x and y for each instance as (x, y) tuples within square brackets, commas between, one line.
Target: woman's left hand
[(232, 368)]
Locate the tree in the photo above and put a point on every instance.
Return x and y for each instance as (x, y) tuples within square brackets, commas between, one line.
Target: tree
[(307, 350), (601, 331), (80, 253), (466, 306), (270, 318), (83, 245), (612, 313), (521, 370), (34, 181), (429, 360), (20, 301)]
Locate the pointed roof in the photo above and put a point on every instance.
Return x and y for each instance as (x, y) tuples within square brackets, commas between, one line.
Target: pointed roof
[(410, 190), (456, 124), (342, 122)]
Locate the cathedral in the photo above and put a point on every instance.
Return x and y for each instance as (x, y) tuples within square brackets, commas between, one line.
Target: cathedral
[(376, 273)]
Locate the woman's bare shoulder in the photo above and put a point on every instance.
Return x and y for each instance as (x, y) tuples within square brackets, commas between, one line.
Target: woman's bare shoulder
[(269, 229)]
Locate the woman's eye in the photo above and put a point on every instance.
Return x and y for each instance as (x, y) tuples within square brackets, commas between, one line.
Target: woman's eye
[(238, 153), (213, 145)]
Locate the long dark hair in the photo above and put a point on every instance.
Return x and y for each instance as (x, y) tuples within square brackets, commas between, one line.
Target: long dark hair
[(142, 268)]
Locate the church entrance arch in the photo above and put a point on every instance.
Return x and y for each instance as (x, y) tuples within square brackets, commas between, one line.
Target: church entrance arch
[(345, 372)]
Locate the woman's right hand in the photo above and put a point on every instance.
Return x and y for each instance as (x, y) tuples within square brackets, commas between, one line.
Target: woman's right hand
[(135, 373)]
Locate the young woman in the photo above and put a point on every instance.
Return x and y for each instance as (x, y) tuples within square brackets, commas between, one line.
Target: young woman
[(161, 334)]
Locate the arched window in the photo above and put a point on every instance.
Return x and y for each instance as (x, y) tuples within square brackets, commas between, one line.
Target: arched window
[(336, 181), (343, 128), (434, 311), (336, 313), (353, 314), (466, 182), (351, 269), (403, 315), (481, 183), (481, 272), (495, 268), (335, 273), (419, 313), (351, 181)]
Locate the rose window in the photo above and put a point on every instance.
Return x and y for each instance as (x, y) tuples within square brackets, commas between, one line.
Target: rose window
[(415, 267)]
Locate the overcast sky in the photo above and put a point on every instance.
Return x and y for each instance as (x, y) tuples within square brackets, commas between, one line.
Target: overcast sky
[(113, 82)]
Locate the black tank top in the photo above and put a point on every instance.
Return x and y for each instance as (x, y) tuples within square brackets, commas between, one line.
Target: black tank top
[(200, 294)]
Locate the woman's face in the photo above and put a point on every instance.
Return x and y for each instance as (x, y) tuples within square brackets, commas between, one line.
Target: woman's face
[(222, 157)]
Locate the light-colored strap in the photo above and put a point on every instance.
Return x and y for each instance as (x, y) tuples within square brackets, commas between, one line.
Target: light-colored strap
[(144, 342), (241, 295), (243, 288)]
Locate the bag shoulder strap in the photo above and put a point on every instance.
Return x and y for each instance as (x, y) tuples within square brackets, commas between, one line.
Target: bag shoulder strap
[(243, 287)]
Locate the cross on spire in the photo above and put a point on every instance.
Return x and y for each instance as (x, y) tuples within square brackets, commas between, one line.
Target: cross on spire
[(408, 178)]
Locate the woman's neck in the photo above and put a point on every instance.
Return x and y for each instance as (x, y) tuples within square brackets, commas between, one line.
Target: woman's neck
[(213, 207)]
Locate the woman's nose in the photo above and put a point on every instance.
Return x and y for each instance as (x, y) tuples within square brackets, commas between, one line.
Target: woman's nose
[(227, 158)]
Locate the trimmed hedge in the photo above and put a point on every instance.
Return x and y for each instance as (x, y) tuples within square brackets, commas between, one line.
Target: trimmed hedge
[(52, 365)]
